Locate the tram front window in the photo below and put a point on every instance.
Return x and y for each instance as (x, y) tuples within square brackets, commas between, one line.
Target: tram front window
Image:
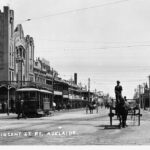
[(32, 95), (26, 96)]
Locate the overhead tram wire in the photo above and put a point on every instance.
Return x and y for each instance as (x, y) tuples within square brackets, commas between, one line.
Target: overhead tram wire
[(77, 10), (97, 42), (104, 47), (127, 81)]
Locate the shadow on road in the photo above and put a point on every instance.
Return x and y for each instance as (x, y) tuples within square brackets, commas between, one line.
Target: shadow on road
[(108, 127)]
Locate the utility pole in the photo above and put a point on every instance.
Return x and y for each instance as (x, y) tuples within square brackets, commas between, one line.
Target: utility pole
[(89, 89), (21, 61), (144, 84), (140, 96), (142, 93), (149, 92), (8, 87)]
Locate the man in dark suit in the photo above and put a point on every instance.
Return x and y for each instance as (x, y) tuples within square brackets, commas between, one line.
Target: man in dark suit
[(118, 94), (20, 108), (118, 91)]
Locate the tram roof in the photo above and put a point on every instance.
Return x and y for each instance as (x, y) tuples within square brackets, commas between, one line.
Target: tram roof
[(28, 89)]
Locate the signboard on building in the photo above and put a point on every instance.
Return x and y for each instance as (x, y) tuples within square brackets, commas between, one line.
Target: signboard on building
[(57, 93), (65, 96)]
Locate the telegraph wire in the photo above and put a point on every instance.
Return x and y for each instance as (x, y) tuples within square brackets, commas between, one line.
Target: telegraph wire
[(108, 83), (77, 10)]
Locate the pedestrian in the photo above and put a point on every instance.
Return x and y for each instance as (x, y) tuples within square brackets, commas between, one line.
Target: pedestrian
[(68, 106), (97, 106), (59, 107), (12, 105), (20, 109), (87, 107), (54, 106), (64, 106), (101, 105), (3, 107)]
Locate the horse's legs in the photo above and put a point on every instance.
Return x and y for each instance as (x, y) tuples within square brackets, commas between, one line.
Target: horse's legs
[(126, 115), (116, 111), (86, 110), (97, 109), (120, 122), (90, 111), (123, 120)]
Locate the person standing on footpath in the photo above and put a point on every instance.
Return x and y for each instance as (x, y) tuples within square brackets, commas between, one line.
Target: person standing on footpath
[(20, 109)]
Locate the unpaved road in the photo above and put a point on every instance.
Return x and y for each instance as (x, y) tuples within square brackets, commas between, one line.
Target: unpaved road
[(74, 128)]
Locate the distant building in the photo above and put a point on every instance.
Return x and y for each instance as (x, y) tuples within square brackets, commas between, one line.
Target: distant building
[(43, 73)]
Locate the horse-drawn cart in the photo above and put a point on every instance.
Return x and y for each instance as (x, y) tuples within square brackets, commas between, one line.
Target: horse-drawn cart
[(133, 110)]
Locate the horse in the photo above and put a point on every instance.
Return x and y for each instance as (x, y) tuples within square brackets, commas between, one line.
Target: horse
[(122, 112), (91, 106)]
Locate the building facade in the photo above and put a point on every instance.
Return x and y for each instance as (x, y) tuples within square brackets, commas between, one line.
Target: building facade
[(24, 56), (6, 44), (16, 57)]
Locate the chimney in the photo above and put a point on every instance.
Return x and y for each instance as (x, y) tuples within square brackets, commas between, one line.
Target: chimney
[(75, 78)]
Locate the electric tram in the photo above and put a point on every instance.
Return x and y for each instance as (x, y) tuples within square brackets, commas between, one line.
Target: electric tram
[(36, 101)]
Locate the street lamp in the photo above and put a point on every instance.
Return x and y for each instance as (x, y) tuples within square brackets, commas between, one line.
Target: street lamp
[(52, 88), (89, 89), (8, 87), (53, 77)]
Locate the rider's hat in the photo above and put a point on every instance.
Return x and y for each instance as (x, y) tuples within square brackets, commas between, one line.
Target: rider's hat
[(118, 81)]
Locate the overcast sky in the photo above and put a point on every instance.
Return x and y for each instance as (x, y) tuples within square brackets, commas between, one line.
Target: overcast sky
[(108, 42)]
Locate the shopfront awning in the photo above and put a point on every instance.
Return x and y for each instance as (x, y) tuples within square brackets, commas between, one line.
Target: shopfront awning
[(33, 89), (46, 91)]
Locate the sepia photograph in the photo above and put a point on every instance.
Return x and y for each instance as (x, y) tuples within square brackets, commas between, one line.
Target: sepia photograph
[(75, 73)]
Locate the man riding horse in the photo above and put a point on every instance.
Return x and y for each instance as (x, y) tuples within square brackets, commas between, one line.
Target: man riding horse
[(118, 91), (121, 109), (118, 94)]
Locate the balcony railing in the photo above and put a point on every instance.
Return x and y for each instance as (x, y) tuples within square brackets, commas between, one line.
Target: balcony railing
[(65, 92), (37, 85), (11, 83)]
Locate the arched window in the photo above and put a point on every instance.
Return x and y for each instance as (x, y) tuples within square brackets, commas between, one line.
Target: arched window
[(10, 59), (24, 54), (17, 52), (20, 52)]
